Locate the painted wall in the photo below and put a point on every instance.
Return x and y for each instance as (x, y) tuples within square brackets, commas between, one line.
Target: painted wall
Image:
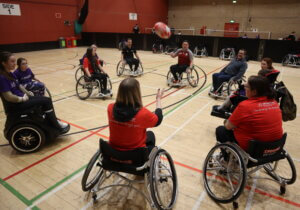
[(280, 17), (113, 15), (38, 22)]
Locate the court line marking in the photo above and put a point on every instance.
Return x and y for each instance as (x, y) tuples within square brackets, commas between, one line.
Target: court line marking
[(64, 148), (199, 200), (251, 193)]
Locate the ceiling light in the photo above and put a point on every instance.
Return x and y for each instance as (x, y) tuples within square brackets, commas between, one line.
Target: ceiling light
[(234, 1)]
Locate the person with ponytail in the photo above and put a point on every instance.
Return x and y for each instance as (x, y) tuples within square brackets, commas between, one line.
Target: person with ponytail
[(16, 98)]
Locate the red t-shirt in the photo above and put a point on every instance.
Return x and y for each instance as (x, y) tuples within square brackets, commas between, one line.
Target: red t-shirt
[(257, 118), (132, 134), (87, 64), (184, 56)]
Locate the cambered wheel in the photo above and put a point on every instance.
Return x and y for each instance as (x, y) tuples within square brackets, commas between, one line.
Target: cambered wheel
[(26, 138), (282, 169), (193, 77), (120, 68), (163, 180), (224, 176), (170, 78), (79, 73), (92, 173), (84, 87)]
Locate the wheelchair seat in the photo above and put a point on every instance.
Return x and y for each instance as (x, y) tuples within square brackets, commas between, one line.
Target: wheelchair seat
[(123, 161), (265, 152)]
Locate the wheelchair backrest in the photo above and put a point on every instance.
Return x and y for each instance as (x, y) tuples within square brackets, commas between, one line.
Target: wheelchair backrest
[(264, 150), (136, 157), (272, 76)]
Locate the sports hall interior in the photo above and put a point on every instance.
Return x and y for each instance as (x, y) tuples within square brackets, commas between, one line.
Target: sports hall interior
[(50, 178)]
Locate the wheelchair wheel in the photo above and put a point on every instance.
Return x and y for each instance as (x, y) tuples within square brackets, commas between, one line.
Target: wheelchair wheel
[(170, 78), (140, 69), (92, 173), (26, 138), (84, 87), (232, 87), (47, 93), (286, 60), (109, 86), (193, 77), (196, 51), (282, 169), (120, 68), (224, 176), (79, 73), (163, 180)]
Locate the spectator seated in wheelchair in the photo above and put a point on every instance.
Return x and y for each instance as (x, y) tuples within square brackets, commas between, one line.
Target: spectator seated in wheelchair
[(93, 70), (225, 110), (232, 72), (127, 57), (22, 108), (27, 79), (185, 61), (258, 117)]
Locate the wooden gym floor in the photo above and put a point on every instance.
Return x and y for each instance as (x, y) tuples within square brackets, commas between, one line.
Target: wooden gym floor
[(51, 177)]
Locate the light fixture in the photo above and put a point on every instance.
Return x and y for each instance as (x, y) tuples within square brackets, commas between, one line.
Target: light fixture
[(231, 21), (234, 1)]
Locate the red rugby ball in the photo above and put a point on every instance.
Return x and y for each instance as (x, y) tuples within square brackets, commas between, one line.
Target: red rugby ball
[(162, 30)]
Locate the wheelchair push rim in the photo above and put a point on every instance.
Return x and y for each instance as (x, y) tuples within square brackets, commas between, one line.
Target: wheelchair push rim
[(79, 73), (27, 138), (193, 77), (92, 173), (84, 87), (163, 180), (224, 177), (282, 170)]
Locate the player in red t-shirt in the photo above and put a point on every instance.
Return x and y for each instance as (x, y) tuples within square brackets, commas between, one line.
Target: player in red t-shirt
[(185, 60), (258, 117), (128, 119), (93, 69)]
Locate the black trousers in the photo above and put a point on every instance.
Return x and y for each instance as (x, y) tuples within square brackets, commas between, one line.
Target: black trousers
[(150, 140), (223, 135), (44, 102), (102, 78), (178, 69), (133, 61)]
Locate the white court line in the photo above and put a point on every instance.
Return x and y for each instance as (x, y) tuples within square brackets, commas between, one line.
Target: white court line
[(168, 125), (199, 200), (50, 193), (251, 193), (184, 124)]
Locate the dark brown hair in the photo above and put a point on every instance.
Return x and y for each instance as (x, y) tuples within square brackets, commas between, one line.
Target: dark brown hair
[(129, 93), (4, 57), (269, 62), (261, 85), (19, 61)]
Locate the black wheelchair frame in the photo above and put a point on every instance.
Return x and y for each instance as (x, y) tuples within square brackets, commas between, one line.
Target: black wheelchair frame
[(126, 71)]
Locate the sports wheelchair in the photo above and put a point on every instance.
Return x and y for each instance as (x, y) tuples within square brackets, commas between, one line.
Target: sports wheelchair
[(80, 71), (189, 77), (157, 168), (157, 48), (227, 54), (86, 85), (200, 51), (292, 60), (28, 130), (123, 69), (227, 167), (226, 89)]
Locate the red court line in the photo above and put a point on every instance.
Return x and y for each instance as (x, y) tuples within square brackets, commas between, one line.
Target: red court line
[(76, 142), (47, 157)]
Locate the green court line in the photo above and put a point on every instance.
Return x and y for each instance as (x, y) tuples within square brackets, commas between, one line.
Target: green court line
[(187, 99), (57, 184), (17, 194)]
